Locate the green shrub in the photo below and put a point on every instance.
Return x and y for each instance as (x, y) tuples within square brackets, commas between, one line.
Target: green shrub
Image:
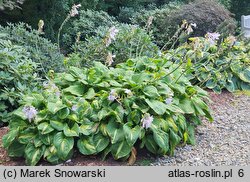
[(129, 41), (17, 76), (41, 50), (108, 110), (10, 4), (85, 25), (207, 15), (215, 66)]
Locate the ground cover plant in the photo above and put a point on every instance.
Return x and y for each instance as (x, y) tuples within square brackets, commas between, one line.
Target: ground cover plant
[(217, 65), (108, 110)]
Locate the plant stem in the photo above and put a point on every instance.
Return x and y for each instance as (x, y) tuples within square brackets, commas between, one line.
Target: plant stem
[(60, 29)]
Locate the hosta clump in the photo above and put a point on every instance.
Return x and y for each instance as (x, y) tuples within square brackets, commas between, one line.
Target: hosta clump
[(216, 64), (17, 76), (142, 102)]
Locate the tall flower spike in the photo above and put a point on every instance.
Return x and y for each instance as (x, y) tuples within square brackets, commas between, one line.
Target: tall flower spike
[(111, 35), (30, 112)]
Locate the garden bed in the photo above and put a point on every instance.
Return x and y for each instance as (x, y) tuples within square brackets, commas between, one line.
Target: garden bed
[(223, 142)]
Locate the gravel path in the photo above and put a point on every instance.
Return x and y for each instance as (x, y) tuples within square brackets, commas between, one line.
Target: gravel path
[(226, 141)]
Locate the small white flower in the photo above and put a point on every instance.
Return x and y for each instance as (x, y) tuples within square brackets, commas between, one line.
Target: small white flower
[(147, 120), (30, 112), (127, 91), (169, 100), (194, 25)]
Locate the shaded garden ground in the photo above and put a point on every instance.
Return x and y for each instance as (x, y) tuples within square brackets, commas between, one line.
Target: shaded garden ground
[(223, 142)]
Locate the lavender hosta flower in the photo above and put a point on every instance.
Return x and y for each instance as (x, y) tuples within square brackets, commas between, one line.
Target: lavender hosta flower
[(113, 32), (169, 100), (147, 120), (58, 93), (111, 35), (74, 10), (30, 112), (112, 95), (74, 108), (212, 37)]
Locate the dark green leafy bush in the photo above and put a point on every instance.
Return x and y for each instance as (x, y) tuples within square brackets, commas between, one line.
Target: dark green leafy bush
[(225, 65), (17, 76), (41, 50), (85, 25), (115, 44), (206, 14), (162, 27), (108, 110)]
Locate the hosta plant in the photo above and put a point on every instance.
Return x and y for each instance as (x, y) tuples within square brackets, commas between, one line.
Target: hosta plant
[(142, 103), (214, 64), (17, 76)]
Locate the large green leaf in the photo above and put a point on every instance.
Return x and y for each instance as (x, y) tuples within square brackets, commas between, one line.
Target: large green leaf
[(151, 145), (71, 132), (93, 144), (157, 106), (162, 139), (77, 90), (131, 134), (120, 149), (211, 83), (187, 106), (88, 128), (54, 107), (9, 137), (90, 94), (151, 91), (33, 154), (27, 136), (47, 139), (115, 132), (174, 138), (45, 128), (245, 86), (57, 125), (16, 149), (245, 75), (63, 113), (63, 145)]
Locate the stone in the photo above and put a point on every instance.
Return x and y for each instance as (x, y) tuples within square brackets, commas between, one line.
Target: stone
[(245, 25)]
